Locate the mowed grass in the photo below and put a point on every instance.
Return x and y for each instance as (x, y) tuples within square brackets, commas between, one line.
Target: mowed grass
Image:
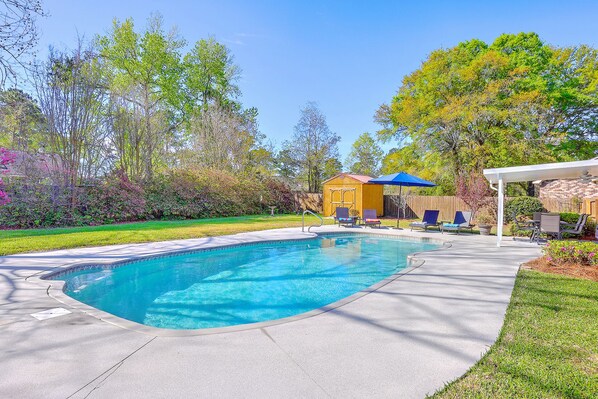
[(35, 240), (19, 241), (548, 346)]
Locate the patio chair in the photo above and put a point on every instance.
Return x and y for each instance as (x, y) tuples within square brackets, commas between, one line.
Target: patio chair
[(462, 221), (370, 218), (536, 217), (430, 219), (550, 225), (529, 225), (573, 225), (342, 217), (578, 227)]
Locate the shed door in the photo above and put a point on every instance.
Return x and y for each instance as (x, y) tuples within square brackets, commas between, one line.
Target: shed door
[(342, 197)]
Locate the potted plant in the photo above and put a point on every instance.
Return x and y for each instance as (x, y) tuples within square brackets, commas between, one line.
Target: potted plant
[(485, 224)]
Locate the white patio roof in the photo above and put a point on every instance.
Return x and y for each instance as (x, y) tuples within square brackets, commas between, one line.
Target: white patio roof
[(547, 171)]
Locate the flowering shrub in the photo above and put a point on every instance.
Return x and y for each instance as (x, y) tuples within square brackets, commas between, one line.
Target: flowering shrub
[(116, 199), (181, 194), (279, 195), (474, 191), (35, 205), (6, 158), (203, 193), (560, 252), (177, 194)]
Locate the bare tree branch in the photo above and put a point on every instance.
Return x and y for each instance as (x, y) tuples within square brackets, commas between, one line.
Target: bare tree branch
[(18, 35)]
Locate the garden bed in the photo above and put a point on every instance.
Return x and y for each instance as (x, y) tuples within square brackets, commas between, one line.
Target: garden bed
[(570, 269), (570, 258)]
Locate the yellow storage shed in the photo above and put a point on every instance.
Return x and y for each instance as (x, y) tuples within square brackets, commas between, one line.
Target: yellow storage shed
[(353, 192)]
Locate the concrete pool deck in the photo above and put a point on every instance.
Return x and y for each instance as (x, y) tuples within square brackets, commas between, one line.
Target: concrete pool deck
[(406, 339)]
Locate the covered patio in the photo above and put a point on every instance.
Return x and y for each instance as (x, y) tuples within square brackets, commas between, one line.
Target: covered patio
[(499, 177)]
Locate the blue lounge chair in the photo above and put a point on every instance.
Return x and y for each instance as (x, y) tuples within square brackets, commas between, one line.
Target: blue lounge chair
[(462, 221), (342, 217), (370, 218), (430, 220)]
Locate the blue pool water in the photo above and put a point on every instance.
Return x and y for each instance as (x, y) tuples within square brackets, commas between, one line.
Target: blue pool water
[(244, 284)]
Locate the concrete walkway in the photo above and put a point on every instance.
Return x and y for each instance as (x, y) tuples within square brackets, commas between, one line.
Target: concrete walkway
[(405, 340)]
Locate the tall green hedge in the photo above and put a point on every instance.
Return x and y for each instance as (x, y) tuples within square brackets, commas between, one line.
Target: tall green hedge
[(522, 206), (176, 194)]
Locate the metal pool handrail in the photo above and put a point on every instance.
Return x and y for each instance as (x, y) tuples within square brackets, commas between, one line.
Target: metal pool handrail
[(313, 225)]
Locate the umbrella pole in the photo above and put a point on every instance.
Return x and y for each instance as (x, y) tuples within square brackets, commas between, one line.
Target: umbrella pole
[(399, 208)]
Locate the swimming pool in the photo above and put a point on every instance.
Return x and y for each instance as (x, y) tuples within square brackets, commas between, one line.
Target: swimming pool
[(242, 284)]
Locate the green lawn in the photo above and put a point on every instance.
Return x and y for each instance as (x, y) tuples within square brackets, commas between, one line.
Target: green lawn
[(30, 240), (18, 241), (548, 346)]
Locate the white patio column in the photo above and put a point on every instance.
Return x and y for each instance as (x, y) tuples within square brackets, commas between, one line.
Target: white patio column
[(501, 211)]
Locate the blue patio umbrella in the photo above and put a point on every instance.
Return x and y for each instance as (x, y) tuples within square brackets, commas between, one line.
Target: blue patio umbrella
[(402, 179)]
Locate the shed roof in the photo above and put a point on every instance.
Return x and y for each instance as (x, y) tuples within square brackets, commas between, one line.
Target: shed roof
[(360, 178)]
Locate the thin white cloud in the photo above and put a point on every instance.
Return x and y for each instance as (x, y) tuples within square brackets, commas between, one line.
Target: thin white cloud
[(238, 42), (241, 38), (245, 34)]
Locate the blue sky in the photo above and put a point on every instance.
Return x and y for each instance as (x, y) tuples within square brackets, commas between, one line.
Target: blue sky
[(347, 56)]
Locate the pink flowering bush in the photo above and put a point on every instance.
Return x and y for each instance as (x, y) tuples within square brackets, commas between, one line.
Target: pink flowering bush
[(177, 194), (35, 204), (560, 252), (279, 194), (115, 199), (6, 158), (473, 189)]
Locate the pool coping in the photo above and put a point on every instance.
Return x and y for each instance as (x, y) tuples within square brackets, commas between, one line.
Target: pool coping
[(405, 339), (55, 289)]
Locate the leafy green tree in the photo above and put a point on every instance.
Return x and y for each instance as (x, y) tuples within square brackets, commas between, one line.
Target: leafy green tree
[(516, 101), (210, 75), (365, 156), (21, 122), (144, 70), (332, 167), (262, 159), (225, 139), (287, 166), (427, 165), (219, 132), (575, 74), (313, 144)]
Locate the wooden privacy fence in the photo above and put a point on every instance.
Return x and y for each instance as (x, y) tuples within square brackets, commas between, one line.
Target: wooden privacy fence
[(311, 201), (417, 204), (559, 205), (448, 205), (590, 205)]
